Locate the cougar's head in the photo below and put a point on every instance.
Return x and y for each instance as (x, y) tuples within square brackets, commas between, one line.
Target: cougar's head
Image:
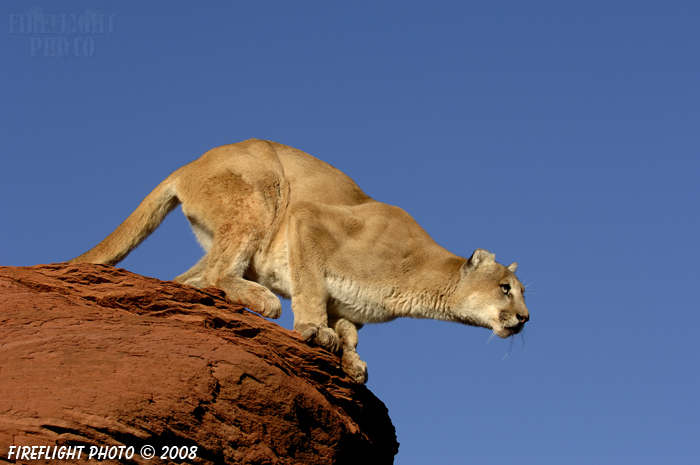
[(489, 295)]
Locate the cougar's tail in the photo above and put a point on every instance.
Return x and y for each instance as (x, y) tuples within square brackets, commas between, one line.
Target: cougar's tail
[(137, 227)]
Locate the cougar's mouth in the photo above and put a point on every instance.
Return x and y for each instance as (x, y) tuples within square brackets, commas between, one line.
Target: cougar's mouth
[(513, 329), (508, 331)]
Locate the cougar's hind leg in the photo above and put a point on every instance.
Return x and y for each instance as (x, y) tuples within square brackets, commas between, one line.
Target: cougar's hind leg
[(234, 217), (225, 263), (193, 276)]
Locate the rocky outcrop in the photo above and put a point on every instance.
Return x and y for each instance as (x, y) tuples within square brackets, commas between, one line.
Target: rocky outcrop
[(98, 357)]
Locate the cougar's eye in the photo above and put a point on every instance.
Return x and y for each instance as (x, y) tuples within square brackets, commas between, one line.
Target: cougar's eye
[(505, 288)]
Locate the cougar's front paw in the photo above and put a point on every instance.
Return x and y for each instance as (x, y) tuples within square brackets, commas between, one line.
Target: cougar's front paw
[(307, 331), (327, 338), (323, 336), (355, 368)]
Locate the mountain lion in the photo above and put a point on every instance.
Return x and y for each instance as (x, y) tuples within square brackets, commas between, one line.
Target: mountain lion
[(275, 220)]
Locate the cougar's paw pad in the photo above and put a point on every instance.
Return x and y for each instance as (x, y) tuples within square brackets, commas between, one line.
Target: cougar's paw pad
[(355, 368)]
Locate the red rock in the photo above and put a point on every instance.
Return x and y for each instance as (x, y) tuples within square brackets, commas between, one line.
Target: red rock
[(92, 355)]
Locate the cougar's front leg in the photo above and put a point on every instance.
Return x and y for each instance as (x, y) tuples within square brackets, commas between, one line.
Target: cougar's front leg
[(351, 363), (306, 239)]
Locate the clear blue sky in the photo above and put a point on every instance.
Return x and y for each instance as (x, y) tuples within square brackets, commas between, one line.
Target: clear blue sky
[(561, 135)]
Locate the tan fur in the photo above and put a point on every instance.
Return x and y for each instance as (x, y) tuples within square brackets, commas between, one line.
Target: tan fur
[(275, 220)]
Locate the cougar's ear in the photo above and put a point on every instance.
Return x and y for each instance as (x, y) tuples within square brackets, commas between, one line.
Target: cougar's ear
[(479, 257), (512, 267)]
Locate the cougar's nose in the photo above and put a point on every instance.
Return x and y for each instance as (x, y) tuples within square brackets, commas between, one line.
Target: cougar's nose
[(523, 318)]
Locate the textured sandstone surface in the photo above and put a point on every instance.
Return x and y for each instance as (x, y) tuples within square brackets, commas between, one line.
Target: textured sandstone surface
[(96, 356)]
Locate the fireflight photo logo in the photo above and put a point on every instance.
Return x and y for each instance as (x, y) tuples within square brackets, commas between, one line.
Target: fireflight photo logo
[(61, 35)]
